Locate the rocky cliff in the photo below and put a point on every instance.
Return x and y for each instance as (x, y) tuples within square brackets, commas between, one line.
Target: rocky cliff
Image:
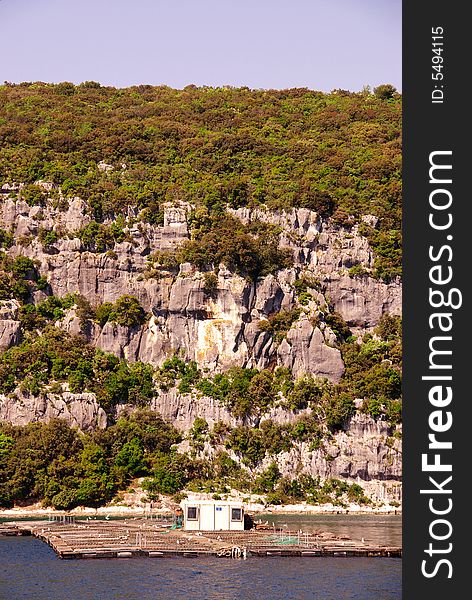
[(218, 330)]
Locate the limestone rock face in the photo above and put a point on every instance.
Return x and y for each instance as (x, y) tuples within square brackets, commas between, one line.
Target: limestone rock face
[(27, 219), (217, 330), (362, 301), (324, 247), (221, 330), (182, 410), (79, 410), (10, 329), (364, 452), (305, 351)]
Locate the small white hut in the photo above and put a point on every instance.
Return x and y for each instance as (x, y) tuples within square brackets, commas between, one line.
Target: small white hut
[(213, 515)]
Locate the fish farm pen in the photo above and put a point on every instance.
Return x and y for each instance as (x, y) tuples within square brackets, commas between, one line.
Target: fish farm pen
[(81, 539)]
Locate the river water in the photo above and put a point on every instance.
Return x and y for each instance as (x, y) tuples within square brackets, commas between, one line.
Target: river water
[(30, 569)]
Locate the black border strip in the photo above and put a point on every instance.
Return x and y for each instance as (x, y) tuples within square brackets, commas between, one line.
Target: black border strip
[(439, 127)]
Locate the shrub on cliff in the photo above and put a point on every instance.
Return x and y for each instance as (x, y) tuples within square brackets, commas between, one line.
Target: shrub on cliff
[(19, 278), (339, 410), (389, 327), (34, 317), (6, 238), (55, 356), (248, 444), (268, 479), (126, 311), (280, 323), (338, 325), (97, 237), (307, 392), (387, 247), (250, 250), (210, 284), (175, 369), (245, 392), (373, 370)]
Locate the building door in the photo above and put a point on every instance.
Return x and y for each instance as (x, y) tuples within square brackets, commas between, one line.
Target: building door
[(206, 517), (221, 517)]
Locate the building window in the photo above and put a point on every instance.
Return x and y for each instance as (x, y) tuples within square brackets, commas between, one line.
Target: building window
[(191, 513), (236, 514)]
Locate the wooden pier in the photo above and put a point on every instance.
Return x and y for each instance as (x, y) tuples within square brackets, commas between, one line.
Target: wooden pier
[(140, 537)]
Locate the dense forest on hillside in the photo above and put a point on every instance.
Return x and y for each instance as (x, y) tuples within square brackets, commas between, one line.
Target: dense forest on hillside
[(338, 154)]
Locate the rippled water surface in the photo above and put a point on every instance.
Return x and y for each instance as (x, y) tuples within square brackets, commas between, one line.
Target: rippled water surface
[(381, 530), (30, 569)]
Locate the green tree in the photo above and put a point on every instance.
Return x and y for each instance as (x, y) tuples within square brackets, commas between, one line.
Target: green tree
[(6, 446), (198, 435), (103, 313), (127, 311), (248, 444), (168, 476), (386, 91), (268, 479), (262, 392), (131, 457), (339, 410), (307, 391)]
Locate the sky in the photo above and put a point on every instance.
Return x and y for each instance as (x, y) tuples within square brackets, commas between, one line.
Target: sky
[(319, 44)]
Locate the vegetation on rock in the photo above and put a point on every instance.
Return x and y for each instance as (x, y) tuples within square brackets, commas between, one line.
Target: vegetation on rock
[(63, 468), (130, 154), (57, 357), (126, 311), (19, 278), (338, 154)]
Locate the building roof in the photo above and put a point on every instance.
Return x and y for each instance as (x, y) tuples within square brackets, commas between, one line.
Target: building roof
[(234, 503)]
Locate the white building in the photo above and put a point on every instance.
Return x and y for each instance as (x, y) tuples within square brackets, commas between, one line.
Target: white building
[(213, 515)]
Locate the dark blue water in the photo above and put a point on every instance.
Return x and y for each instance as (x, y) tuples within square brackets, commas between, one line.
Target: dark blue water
[(30, 569)]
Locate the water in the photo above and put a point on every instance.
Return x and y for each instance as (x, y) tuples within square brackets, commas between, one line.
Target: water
[(30, 569), (380, 530)]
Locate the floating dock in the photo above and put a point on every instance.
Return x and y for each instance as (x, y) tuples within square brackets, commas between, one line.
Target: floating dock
[(141, 537)]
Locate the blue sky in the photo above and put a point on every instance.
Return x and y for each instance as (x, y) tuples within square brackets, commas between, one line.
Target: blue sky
[(319, 44)]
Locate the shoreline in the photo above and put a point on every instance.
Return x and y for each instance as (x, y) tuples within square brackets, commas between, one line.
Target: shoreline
[(146, 512)]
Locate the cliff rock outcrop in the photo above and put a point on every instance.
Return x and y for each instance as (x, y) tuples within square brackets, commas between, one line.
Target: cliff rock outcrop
[(10, 326), (78, 410), (218, 330)]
